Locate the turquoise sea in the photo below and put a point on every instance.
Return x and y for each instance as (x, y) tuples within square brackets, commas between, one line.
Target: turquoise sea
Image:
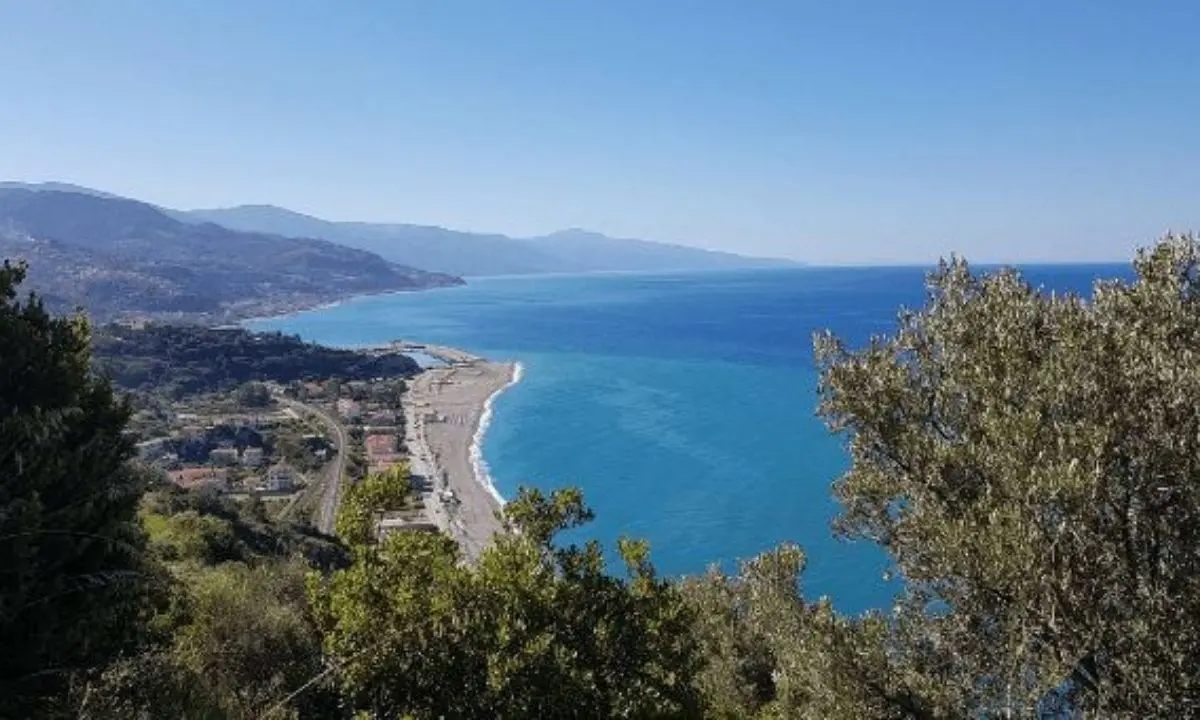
[(683, 405)]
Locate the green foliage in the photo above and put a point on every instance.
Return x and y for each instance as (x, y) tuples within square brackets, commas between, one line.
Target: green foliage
[(540, 518), (182, 360), (249, 641), (531, 631), (770, 653), (236, 638), (290, 444), (365, 502), (1031, 464), (241, 644), (71, 571), (206, 528), (254, 395)]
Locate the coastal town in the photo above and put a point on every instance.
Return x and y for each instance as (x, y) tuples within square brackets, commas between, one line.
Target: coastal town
[(293, 445)]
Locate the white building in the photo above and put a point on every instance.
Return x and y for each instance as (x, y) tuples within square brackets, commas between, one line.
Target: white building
[(281, 478), (252, 457)]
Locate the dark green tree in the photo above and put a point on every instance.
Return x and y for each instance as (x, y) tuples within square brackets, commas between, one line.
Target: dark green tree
[(254, 395), (70, 543)]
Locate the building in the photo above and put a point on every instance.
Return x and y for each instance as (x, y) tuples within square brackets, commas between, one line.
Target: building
[(194, 478), (380, 418), (224, 456), (280, 478), (252, 457), (381, 452), (380, 444), (349, 409)]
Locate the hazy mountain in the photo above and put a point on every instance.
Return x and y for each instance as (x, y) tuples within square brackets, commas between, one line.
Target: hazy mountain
[(475, 254), (429, 247), (57, 187), (455, 252), (596, 252), (116, 256)]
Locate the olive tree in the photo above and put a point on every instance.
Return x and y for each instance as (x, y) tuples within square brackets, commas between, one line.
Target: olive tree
[(1031, 461)]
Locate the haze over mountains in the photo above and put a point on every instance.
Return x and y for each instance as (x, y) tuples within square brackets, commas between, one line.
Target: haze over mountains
[(468, 254), (120, 257), (480, 254)]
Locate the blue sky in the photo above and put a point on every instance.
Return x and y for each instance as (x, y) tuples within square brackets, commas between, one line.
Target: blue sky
[(845, 132)]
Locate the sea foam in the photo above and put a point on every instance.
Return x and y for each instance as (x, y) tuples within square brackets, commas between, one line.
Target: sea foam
[(478, 465)]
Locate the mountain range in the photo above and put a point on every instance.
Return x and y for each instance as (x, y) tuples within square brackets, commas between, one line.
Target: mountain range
[(480, 254), (469, 254), (119, 257)]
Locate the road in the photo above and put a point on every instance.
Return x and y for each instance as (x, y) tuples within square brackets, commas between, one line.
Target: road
[(337, 469)]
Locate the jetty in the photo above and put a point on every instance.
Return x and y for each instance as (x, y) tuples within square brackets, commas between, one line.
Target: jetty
[(450, 356)]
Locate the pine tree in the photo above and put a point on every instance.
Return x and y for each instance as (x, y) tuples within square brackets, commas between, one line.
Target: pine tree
[(70, 543)]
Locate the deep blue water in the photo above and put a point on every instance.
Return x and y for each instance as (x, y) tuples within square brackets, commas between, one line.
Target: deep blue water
[(683, 405)]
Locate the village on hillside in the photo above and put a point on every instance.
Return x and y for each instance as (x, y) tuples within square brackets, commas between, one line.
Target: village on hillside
[(273, 441)]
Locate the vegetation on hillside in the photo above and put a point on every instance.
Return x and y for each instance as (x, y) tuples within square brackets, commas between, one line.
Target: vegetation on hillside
[(531, 630), (1029, 462), (119, 257), (234, 634), (179, 360), (72, 554), (480, 254)]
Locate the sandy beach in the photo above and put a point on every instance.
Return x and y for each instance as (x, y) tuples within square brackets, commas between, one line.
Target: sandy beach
[(444, 408)]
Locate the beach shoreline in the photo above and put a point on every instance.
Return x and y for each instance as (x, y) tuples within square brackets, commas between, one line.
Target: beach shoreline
[(479, 464), (447, 411)]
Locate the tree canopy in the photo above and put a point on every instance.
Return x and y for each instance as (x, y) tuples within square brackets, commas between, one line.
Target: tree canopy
[(70, 544), (181, 360), (532, 630), (1030, 462)]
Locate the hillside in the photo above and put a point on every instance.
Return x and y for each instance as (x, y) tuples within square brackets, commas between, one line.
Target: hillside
[(594, 252), (182, 360), (435, 248), (119, 257), (476, 254)]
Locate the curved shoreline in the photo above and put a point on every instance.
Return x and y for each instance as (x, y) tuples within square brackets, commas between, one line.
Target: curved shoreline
[(479, 463), (447, 412)]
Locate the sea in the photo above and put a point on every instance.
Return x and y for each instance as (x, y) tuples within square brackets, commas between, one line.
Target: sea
[(683, 405)]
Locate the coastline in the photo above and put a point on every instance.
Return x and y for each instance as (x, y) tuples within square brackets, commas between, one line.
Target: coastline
[(447, 411), (479, 464), (239, 317)]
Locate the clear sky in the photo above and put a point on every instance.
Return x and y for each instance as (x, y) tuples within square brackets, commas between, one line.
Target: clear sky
[(843, 132)]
